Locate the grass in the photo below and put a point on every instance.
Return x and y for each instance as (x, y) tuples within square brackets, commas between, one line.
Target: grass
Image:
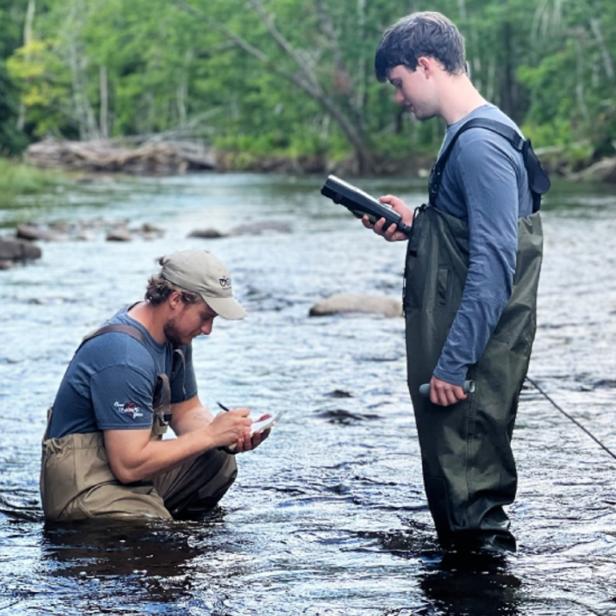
[(17, 178)]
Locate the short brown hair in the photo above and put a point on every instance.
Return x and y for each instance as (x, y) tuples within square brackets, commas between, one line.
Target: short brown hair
[(425, 33)]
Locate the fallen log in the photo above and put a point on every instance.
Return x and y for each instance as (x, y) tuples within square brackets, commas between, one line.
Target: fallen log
[(149, 158)]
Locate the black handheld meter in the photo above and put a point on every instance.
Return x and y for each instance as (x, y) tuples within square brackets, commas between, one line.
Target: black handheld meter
[(360, 203)]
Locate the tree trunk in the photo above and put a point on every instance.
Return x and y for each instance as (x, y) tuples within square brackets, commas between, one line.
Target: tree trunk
[(507, 85), (103, 120), (305, 79), (86, 119), (608, 65), (28, 29)]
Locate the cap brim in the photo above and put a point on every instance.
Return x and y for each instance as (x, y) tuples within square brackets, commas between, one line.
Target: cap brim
[(226, 307)]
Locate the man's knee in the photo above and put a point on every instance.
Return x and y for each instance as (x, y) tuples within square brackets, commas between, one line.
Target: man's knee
[(200, 486), (220, 471)]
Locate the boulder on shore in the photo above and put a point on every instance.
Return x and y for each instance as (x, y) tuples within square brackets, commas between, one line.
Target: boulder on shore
[(357, 302)]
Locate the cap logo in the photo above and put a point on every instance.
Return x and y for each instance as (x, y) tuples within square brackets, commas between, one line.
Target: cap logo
[(225, 282)]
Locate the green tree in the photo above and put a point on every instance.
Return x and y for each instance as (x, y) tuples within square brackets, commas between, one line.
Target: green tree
[(293, 78)]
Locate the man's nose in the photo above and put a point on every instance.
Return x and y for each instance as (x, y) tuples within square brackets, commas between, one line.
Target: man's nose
[(207, 327), (399, 97)]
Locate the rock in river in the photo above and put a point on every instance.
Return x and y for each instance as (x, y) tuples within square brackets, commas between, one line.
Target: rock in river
[(14, 250), (357, 302)]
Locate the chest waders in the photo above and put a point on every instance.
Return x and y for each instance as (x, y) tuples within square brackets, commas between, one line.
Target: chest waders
[(468, 467), (76, 479)]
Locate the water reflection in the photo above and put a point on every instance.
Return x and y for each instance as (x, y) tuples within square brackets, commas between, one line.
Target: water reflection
[(159, 556), (470, 584), (451, 582)]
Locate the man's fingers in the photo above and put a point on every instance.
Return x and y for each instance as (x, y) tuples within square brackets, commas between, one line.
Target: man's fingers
[(378, 226), (446, 395), (242, 411), (390, 233), (450, 396), (366, 222)]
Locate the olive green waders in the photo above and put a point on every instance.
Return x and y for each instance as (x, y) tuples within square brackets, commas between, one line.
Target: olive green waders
[(77, 482), (468, 467)]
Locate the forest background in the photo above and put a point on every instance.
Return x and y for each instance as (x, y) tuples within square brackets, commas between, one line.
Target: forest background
[(294, 79)]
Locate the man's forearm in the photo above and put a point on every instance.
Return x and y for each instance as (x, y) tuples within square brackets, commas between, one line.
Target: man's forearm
[(189, 415), (154, 456), (196, 418)]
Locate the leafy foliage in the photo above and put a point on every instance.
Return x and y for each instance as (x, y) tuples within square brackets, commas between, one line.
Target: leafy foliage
[(294, 78)]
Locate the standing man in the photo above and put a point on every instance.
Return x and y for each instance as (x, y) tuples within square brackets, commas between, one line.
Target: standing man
[(103, 453), (471, 276)]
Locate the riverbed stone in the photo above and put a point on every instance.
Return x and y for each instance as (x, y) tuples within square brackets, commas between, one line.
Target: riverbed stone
[(341, 303), (119, 234), (34, 232), (12, 249), (261, 227), (207, 234)]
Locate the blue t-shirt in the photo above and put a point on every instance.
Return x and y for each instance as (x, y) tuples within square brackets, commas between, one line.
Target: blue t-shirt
[(110, 382), (484, 183)]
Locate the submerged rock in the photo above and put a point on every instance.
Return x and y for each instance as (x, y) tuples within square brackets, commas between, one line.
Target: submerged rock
[(357, 302), (207, 234), (260, 227), (253, 228), (344, 417), (339, 393)]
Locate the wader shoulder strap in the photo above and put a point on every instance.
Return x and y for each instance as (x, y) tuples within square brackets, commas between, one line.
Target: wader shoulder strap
[(129, 330), (538, 180)]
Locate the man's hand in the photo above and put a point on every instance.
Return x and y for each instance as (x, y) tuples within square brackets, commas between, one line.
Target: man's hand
[(391, 234), (445, 394), (133, 454), (230, 427), (248, 443)]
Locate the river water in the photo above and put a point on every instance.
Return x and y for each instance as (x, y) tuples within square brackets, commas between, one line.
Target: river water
[(328, 516)]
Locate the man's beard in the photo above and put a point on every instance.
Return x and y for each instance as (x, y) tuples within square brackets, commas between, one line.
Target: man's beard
[(172, 334)]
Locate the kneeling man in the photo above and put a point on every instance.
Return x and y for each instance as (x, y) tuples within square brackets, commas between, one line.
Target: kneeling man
[(103, 451)]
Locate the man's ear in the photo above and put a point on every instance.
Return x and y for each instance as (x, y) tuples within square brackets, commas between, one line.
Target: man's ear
[(175, 299), (427, 65)]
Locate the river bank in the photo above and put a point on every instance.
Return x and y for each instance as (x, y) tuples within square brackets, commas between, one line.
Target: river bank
[(159, 156), (18, 178)]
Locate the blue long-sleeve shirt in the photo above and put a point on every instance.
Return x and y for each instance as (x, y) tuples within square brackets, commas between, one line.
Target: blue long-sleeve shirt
[(486, 184)]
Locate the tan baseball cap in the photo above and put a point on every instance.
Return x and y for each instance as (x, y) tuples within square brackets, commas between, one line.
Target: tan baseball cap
[(201, 272)]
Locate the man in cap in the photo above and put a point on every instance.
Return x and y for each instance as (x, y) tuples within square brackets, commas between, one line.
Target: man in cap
[(103, 452)]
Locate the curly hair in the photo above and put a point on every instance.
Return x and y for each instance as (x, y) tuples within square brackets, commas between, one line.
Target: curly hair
[(159, 289), (425, 33)]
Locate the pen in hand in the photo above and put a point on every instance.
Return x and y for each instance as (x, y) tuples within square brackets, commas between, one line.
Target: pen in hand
[(230, 448)]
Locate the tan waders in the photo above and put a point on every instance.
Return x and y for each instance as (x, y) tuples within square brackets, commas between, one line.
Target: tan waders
[(77, 481), (468, 466)]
